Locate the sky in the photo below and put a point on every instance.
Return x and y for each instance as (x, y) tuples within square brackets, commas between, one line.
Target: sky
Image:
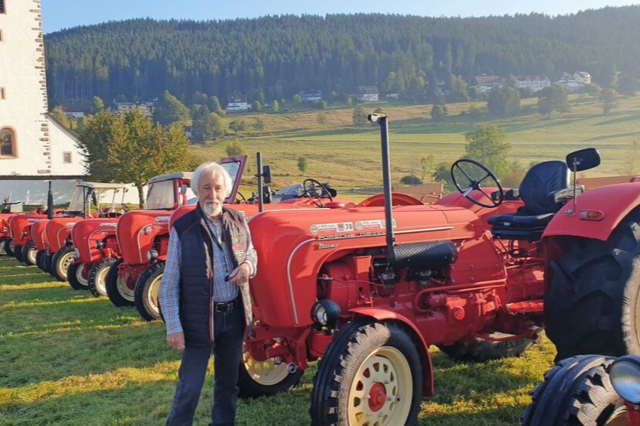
[(60, 14)]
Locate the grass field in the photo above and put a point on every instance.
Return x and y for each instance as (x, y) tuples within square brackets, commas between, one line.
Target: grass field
[(349, 156), (67, 358)]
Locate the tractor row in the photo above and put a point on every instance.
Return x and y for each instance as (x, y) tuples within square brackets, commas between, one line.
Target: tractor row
[(368, 288)]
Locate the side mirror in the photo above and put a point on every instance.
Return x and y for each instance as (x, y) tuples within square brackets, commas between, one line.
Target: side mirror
[(584, 159), (183, 189), (266, 174)]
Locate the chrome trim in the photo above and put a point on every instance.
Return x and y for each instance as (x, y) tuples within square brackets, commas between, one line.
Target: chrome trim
[(413, 231), (138, 241), (287, 210), (293, 302)]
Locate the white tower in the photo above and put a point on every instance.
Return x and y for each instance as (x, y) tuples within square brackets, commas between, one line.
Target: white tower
[(33, 146)]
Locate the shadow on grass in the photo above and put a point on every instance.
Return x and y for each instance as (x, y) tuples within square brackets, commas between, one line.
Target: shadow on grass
[(620, 120), (613, 136)]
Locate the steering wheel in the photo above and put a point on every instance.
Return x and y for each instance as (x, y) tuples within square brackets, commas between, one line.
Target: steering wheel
[(239, 194), (474, 184), (315, 189)]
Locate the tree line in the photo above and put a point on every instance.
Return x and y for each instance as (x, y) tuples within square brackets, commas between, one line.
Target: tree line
[(272, 58)]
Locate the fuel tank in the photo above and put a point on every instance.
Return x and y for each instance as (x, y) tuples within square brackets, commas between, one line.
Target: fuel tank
[(293, 245), (85, 234)]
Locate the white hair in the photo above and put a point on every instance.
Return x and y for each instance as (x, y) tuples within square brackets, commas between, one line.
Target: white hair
[(213, 168)]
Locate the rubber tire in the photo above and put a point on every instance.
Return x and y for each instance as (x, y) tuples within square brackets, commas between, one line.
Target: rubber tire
[(343, 357), (142, 289), (56, 266), (39, 257), (577, 392), (17, 252), (4, 243), (8, 247), (250, 388), (96, 270), (46, 262), (29, 254), (481, 350), (592, 304), (112, 287), (72, 277)]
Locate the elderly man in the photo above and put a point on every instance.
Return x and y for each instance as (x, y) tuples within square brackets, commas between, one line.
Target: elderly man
[(205, 297)]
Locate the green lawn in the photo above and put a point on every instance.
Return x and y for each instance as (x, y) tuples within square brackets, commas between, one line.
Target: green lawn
[(67, 358), (349, 157)]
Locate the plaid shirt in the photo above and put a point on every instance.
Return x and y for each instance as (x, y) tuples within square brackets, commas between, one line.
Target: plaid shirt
[(223, 291)]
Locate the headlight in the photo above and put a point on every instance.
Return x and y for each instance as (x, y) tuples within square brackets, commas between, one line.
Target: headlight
[(5, 229), (99, 245), (625, 377), (325, 313), (152, 254), (25, 233), (147, 230)]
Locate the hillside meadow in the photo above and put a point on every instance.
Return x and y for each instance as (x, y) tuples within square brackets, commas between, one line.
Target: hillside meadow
[(68, 358), (349, 157)]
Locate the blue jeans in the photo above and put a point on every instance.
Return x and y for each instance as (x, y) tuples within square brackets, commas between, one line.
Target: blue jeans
[(227, 351)]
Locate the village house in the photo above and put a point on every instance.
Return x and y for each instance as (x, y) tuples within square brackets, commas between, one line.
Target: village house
[(311, 95), (533, 82), (34, 147), (124, 107), (574, 82), (485, 83), (237, 104), (368, 94)]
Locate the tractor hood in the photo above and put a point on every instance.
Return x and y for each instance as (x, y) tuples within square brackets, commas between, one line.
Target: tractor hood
[(58, 230)]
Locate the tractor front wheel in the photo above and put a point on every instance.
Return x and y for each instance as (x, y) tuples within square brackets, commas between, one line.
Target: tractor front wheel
[(265, 378), (146, 292), (29, 253), (17, 252), (576, 392), (370, 375), (98, 277), (593, 303), (39, 255), (482, 350), (4, 243), (78, 275), (60, 263), (117, 290), (9, 248)]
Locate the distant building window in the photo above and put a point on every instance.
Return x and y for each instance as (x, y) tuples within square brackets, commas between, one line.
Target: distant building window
[(8, 147), (66, 156), (2, 9)]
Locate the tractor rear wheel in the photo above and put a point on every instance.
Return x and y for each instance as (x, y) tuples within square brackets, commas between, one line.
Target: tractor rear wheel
[(78, 275), (60, 263), (9, 248), (146, 292), (46, 262), (370, 375), (39, 255), (576, 392), (17, 252), (482, 350), (265, 378), (98, 277), (592, 305), (117, 290), (29, 253)]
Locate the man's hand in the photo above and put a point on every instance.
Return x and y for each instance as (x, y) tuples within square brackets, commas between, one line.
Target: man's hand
[(240, 275), (176, 340)]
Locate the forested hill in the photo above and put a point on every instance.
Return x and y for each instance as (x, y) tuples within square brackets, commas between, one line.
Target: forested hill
[(276, 57)]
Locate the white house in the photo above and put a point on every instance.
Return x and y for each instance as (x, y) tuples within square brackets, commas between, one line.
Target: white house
[(574, 82), (34, 147), (533, 82), (310, 95), (368, 94), (582, 77), (485, 83), (146, 107), (237, 104)]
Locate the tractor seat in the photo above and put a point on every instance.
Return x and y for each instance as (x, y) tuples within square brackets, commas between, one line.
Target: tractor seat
[(537, 191)]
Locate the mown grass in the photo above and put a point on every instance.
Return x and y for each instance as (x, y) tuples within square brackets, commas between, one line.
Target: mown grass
[(349, 156), (67, 358)]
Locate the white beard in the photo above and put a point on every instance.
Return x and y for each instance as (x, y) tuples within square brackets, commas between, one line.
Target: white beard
[(212, 209)]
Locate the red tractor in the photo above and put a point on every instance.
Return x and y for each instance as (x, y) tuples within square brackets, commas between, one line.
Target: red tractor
[(479, 274), (95, 239), (7, 211), (143, 238), (588, 390), (90, 200)]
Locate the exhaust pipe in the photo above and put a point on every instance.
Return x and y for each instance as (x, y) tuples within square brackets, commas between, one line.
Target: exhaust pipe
[(383, 121), (260, 185)]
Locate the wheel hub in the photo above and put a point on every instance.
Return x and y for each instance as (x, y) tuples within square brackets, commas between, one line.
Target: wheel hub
[(377, 397)]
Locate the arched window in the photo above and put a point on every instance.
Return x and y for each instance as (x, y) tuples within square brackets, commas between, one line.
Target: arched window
[(8, 148)]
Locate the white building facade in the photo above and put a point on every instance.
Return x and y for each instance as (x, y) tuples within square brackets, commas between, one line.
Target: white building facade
[(33, 146)]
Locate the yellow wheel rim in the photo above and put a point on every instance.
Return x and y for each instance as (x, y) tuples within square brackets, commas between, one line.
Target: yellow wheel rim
[(101, 280), (79, 275), (64, 263), (382, 390), (267, 373), (151, 301), (124, 290)]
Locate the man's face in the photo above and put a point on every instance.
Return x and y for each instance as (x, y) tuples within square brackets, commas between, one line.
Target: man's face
[(211, 193)]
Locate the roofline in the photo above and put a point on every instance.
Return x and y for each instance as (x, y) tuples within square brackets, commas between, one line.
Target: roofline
[(42, 177)]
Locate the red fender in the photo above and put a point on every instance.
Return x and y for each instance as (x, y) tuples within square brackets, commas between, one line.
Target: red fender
[(614, 202), (423, 350)]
